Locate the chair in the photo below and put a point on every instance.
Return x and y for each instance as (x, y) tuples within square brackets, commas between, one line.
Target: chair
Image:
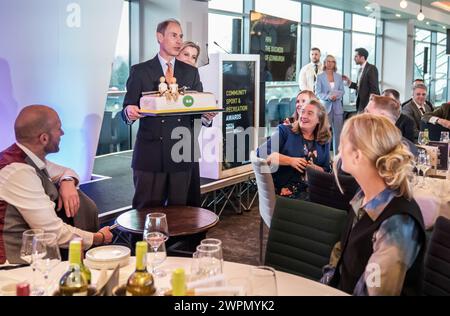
[(434, 131), (266, 195), (272, 111), (283, 108), (302, 235), (292, 106), (323, 189), (437, 260)]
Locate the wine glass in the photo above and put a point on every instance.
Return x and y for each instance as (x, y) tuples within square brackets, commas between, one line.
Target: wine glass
[(156, 252), (26, 251), (263, 281), (156, 222), (423, 138), (45, 255), (445, 137), (423, 164)]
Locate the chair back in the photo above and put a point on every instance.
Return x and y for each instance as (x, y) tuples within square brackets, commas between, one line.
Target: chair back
[(302, 236), (437, 260), (266, 188), (324, 190)]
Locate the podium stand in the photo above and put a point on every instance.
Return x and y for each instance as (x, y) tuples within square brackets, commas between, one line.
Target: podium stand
[(225, 147)]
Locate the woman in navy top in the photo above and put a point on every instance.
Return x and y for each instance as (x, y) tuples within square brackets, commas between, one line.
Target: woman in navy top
[(294, 147)]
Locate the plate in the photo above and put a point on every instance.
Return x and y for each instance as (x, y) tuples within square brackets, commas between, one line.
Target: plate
[(107, 257)]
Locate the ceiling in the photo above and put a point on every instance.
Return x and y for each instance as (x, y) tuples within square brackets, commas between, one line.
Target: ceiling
[(427, 3)]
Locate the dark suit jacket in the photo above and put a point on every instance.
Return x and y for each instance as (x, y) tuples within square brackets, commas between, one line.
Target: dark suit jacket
[(406, 125), (413, 112), (152, 151), (367, 85), (442, 112)]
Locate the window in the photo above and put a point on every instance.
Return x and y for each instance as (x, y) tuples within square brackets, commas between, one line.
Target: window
[(221, 31), (441, 89), (364, 24), (114, 134), (286, 9), (330, 42), (327, 17), (226, 5)]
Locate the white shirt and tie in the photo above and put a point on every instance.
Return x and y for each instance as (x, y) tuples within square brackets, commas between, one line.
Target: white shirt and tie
[(308, 76)]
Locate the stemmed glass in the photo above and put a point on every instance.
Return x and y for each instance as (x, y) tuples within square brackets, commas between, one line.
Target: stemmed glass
[(156, 253), (156, 233), (45, 255), (26, 255), (423, 164), (423, 138)]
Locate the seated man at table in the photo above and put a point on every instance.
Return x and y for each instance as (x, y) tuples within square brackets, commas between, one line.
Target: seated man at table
[(440, 116), (404, 123), (389, 108), (35, 191)]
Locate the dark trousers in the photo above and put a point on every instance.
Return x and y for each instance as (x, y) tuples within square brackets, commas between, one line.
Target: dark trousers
[(163, 188)]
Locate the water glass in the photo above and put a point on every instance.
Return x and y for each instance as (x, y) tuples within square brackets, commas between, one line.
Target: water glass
[(423, 163), (445, 137), (156, 222), (423, 138), (216, 242), (263, 281), (45, 255), (26, 251), (207, 261)]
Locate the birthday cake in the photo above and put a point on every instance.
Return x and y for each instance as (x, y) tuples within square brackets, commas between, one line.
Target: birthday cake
[(186, 102)]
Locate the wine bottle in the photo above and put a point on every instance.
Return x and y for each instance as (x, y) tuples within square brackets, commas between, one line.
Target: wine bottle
[(23, 289), (73, 282), (83, 268), (140, 283), (178, 282)]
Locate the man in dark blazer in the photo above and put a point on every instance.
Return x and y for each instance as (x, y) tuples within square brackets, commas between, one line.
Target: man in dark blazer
[(158, 179), (417, 107), (404, 123), (416, 82), (440, 116), (367, 79)]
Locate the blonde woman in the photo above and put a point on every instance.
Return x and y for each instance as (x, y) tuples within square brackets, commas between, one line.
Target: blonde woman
[(383, 244), (189, 53), (297, 146)]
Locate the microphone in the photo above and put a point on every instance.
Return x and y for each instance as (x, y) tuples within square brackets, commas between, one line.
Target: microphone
[(215, 43)]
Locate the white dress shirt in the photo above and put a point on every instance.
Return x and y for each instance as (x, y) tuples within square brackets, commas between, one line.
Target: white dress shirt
[(308, 75), (21, 186)]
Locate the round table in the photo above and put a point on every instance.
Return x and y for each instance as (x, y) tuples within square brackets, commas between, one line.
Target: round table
[(187, 226)]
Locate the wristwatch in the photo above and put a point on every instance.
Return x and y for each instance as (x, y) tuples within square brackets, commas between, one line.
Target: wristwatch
[(66, 178)]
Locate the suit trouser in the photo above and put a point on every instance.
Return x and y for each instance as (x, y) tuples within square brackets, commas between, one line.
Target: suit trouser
[(336, 122), (164, 188)]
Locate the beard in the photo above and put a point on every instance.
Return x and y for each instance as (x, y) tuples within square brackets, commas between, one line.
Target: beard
[(52, 146)]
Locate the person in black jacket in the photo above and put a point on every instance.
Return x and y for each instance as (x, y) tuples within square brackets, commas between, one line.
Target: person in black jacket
[(158, 179), (404, 123), (367, 79)]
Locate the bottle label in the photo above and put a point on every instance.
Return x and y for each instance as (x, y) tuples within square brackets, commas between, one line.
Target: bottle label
[(85, 293)]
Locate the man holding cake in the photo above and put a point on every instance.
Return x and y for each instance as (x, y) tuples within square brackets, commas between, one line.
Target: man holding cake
[(158, 179)]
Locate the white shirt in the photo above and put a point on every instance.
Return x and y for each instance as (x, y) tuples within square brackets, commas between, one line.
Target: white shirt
[(164, 62), (308, 75), (21, 186)]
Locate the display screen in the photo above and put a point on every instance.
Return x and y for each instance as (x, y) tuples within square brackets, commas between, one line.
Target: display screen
[(275, 40), (238, 117)]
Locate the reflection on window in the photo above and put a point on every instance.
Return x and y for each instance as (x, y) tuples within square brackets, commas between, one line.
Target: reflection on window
[(327, 17), (423, 35), (114, 134), (329, 42), (441, 38), (364, 24), (220, 30), (441, 88), (286, 9), (226, 5)]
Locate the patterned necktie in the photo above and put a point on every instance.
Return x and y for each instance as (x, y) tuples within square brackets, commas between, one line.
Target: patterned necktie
[(316, 70), (422, 110), (169, 73)]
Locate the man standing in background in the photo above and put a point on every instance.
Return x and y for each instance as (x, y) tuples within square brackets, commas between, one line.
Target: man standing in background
[(308, 74)]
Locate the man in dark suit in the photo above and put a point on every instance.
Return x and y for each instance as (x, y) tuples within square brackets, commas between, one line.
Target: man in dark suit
[(417, 107), (158, 179), (404, 123), (367, 80), (416, 82)]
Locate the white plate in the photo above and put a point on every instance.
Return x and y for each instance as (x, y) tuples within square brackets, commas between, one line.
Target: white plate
[(108, 253)]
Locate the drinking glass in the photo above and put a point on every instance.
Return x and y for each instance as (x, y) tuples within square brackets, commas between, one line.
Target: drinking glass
[(156, 252), (25, 254), (445, 137), (207, 261), (45, 255), (216, 242), (423, 138), (423, 163), (156, 222), (263, 281)]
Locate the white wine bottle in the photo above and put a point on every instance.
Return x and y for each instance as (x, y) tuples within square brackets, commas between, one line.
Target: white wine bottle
[(179, 282), (73, 282), (83, 268), (140, 283)]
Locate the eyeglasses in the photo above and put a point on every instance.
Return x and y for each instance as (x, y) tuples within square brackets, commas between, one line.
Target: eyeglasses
[(421, 94)]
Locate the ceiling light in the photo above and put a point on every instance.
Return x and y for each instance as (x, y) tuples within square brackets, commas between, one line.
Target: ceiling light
[(398, 15), (428, 23), (403, 4), (420, 16)]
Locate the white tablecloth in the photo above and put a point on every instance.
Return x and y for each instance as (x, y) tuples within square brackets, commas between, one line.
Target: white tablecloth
[(288, 284), (433, 199)]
